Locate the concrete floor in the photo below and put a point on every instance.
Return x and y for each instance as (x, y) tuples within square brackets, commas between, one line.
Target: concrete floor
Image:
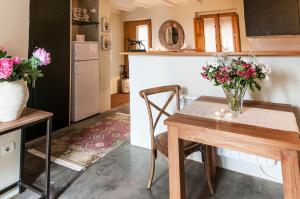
[(123, 173)]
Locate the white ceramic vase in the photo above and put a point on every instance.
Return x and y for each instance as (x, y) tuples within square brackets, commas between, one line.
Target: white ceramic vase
[(13, 98)]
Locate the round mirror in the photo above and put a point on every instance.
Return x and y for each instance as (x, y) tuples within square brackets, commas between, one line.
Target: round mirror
[(171, 35)]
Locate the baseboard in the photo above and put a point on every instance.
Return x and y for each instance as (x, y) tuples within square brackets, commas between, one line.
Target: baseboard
[(272, 173), (10, 193)]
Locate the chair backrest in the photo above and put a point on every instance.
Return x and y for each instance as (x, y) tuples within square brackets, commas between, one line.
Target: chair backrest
[(174, 89)]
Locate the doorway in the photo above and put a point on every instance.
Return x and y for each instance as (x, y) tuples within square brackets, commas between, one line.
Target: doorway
[(137, 30)]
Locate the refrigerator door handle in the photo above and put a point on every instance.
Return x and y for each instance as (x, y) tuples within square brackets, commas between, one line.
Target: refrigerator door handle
[(76, 53), (76, 68)]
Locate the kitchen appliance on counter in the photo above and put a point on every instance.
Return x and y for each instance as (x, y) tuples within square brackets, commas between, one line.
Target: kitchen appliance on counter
[(85, 80)]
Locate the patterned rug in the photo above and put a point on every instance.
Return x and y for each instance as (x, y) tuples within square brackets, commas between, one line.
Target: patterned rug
[(81, 149)]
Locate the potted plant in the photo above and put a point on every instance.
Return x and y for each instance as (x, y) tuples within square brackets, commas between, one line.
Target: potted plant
[(235, 76), (15, 74)]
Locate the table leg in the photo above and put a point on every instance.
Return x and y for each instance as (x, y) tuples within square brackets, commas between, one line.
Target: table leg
[(211, 164), (213, 153), (48, 157), (176, 165), (291, 175), (22, 158)]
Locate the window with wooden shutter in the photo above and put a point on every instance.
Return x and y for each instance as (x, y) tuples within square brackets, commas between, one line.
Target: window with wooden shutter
[(199, 34), (217, 33)]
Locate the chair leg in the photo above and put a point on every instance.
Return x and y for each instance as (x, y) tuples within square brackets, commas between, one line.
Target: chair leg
[(206, 170), (152, 169)]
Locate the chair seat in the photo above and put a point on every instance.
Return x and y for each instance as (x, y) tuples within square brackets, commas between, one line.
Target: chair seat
[(161, 141)]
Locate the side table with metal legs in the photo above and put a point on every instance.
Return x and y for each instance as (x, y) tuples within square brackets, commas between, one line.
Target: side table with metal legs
[(29, 118)]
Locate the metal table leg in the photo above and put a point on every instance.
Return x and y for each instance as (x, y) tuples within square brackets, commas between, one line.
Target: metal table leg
[(22, 154), (48, 157), (22, 186)]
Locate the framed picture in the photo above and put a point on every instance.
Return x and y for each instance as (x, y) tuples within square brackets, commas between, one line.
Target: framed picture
[(106, 43), (105, 24)]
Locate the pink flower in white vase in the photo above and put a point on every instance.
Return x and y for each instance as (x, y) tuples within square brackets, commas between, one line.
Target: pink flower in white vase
[(17, 60), (43, 56), (6, 68), (15, 68)]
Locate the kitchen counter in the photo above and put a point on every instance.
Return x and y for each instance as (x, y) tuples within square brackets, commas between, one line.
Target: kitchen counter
[(194, 53)]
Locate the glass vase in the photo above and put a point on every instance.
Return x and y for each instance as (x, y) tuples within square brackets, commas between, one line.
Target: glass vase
[(235, 99)]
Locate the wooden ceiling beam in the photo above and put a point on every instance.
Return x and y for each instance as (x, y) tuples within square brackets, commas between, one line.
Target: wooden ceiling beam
[(141, 4), (122, 8), (121, 5), (131, 5), (168, 2)]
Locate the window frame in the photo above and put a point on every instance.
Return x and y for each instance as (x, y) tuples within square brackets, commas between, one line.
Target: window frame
[(200, 35)]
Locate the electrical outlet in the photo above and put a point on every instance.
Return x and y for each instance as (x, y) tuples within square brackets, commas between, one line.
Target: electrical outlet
[(7, 148), (186, 99)]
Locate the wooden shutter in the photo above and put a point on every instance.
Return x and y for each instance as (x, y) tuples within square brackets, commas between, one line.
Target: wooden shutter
[(218, 33), (199, 34), (236, 32)]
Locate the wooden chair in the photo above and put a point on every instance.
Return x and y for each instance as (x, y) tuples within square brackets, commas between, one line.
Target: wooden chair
[(160, 142)]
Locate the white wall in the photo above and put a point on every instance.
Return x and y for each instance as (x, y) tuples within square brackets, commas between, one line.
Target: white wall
[(14, 34), (185, 13), (14, 31), (105, 61), (153, 71), (110, 60), (117, 39)]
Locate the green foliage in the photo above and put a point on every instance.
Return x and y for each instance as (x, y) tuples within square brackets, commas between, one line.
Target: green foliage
[(2, 54), (28, 70)]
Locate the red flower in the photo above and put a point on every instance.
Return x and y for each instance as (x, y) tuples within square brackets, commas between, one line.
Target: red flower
[(251, 72), (246, 66), (222, 77)]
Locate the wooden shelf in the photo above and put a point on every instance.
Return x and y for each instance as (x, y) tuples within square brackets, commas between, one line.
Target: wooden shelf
[(28, 116), (194, 53), (83, 23)]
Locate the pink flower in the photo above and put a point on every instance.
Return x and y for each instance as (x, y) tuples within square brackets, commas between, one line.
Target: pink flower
[(43, 57), (17, 60), (224, 69), (6, 68), (204, 75), (204, 67)]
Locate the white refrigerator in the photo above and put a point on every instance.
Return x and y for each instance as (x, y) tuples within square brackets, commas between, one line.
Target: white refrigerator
[(85, 80)]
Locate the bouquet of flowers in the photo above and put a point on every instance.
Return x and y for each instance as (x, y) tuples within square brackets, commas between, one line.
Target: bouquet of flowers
[(235, 76), (15, 68)]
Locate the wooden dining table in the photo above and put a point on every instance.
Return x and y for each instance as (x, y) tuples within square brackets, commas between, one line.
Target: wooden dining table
[(264, 129)]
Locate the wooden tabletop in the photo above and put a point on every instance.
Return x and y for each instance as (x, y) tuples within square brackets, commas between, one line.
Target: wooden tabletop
[(29, 116), (268, 136)]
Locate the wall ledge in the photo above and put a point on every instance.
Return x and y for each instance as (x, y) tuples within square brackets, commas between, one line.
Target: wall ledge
[(194, 53)]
